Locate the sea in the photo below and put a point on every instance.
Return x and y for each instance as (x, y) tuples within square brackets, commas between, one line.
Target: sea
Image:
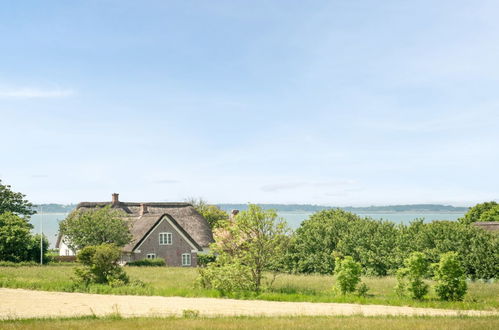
[(50, 221)]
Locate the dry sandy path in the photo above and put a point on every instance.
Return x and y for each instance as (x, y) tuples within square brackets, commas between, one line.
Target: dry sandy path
[(19, 303)]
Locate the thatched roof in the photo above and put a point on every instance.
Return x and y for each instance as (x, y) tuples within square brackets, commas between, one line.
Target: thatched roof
[(493, 226), (183, 214)]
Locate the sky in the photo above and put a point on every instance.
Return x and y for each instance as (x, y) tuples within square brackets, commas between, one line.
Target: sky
[(323, 102)]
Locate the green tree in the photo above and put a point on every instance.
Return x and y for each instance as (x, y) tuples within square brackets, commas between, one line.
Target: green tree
[(94, 227), (347, 274), (411, 277), (212, 213), (371, 242), (474, 213), (450, 277), (317, 238), (491, 214), (14, 202), (34, 248), (100, 265), (15, 237), (251, 243)]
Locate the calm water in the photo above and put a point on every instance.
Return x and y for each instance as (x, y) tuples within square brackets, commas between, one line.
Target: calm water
[(51, 220)]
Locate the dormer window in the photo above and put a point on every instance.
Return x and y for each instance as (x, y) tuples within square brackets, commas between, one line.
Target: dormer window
[(165, 238)]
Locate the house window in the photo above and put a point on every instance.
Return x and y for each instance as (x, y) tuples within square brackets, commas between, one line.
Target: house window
[(165, 238), (186, 259), (151, 256), (67, 252)]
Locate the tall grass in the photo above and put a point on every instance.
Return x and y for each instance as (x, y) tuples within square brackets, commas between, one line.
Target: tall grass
[(297, 322), (170, 281)]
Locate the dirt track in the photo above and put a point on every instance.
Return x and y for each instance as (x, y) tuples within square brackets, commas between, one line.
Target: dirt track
[(19, 303)]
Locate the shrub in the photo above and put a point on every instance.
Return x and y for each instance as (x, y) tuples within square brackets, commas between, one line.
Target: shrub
[(449, 274), (205, 259), (100, 265), (362, 290), (226, 278), (347, 274), (157, 262), (411, 277)]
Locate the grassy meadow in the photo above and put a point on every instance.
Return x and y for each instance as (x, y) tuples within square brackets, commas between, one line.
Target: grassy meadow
[(171, 281), (346, 322)]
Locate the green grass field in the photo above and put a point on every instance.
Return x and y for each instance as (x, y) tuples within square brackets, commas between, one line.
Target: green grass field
[(169, 281), (350, 322)]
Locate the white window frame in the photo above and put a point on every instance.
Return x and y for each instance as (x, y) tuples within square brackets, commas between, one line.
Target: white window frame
[(168, 238), (151, 256), (186, 257)]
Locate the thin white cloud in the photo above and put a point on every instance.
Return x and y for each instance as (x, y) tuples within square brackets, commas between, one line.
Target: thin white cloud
[(34, 93)]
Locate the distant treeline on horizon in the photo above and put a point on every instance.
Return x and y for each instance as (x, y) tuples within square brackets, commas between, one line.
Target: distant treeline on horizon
[(418, 208)]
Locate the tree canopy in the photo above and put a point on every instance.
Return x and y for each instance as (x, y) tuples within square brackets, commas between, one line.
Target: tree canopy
[(15, 202), (94, 227), (212, 213), (488, 211), (247, 246), (381, 247)]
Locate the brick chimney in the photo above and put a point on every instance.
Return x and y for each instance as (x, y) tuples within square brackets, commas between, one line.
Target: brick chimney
[(233, 214), (143, 208), (116, 200)]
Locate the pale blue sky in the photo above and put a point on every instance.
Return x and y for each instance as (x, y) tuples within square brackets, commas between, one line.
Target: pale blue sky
[(326, 102)]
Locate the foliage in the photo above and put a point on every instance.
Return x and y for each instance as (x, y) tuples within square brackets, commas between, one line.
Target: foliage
[(475, 213), (362, 290), (450, 277), (14, 202), (17, 244), (104, 225), (212, 213), (314, 242), (347, 274), (411, 277), (381, 247), (100, 265), (252, 242), (14, 237), (226, 277), (490, 215), (475, 247), (157, 262), (205, 259), (34, 248)]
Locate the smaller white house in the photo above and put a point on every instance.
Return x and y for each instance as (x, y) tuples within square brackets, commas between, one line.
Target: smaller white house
[(64, 250)]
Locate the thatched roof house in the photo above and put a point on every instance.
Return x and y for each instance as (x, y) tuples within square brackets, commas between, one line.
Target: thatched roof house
[(173, 231), (492, 225)]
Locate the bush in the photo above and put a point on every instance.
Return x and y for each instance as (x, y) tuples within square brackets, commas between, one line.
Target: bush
[(205, 259), (100, 265), (347, 274), (158, 262), (411, 277), (451, 281), (226, 278)]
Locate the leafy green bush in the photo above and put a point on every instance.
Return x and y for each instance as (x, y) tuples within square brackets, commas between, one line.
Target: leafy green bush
[(226, 277), (381, 247), (411, 277), (451, 281), (480, 212), (347, 274), (157, 262), (205, 259), (100, 266)]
